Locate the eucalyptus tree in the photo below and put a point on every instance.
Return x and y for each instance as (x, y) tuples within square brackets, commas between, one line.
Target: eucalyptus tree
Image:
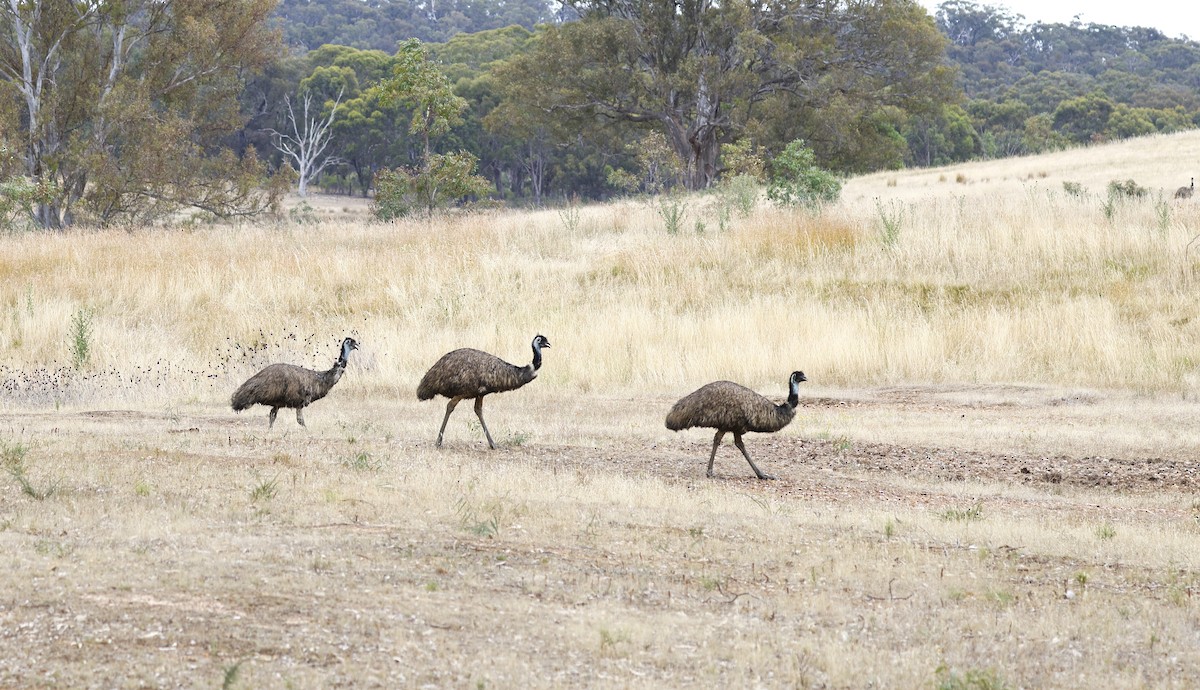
[(122, 103), (698, 70), (418, 84)]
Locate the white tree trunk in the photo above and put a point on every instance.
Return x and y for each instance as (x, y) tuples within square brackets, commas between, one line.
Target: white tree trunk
[(308, 141), (37, 64)]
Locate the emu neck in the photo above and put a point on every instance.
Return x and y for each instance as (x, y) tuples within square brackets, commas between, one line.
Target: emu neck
[(335, 373), (537, 358)]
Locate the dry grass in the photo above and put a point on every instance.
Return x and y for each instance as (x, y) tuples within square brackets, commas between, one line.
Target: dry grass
[(991, 474), (901, 283)]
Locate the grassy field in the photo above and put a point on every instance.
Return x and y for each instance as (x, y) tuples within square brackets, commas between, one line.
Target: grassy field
[(989, 483)]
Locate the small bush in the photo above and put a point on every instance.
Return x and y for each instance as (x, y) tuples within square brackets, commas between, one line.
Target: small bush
[(740, 193), (672, 209), (445, 180), (81, 338), (1127, 190), (569, 215), (13, 460), (265, 490), (392, 197), (303, 214), (19, 199), (1074, 189), (362, 462), (796, 179), (891, 218), (743, 158), (971, 514), (973, 679)]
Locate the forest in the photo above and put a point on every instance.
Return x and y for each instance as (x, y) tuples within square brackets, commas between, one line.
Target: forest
[(126, 113)]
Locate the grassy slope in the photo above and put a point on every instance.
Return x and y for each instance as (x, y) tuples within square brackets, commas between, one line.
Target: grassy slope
[(1005, 321)]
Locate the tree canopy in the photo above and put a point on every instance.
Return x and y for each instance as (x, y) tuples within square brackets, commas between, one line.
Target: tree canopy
[(129, 111), (700, 71), (122, 105), (382, 24)]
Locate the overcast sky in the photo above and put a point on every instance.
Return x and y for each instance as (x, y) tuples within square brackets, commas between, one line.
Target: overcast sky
[(1172, 17)]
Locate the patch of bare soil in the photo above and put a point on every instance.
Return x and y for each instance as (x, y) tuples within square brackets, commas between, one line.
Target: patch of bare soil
[(336, 576)]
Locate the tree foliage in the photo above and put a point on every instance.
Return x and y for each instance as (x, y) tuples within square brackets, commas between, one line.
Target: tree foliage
[(1034, 87), (419, 85), (122, 104), (377, 25), (445, 179), (697, 69), (796, 179)]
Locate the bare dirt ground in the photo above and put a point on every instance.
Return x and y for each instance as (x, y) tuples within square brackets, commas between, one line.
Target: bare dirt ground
[(917, 536)]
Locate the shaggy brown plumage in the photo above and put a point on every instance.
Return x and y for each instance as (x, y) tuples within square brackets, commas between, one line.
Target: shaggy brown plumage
[(730, 407), (468, 373), (1186, 192), (287, 385)]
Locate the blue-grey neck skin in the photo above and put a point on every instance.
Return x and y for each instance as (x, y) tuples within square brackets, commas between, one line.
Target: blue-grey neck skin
[(347, 345), (538, 343)]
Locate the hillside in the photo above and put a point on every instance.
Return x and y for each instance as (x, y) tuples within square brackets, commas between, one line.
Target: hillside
[(989, 481), (1162, 163)]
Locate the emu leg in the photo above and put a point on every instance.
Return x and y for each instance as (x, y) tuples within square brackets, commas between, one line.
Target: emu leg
[(716, 442), (479, 413), (449, 408), (737, 441), (300, 416), (271, 423)]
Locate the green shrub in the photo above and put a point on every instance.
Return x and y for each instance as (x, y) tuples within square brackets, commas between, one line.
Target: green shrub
[(797, 180), (392, 197), (446, 179), (739, 192), (1127, 190), (81, 338), (19, 199), (973, 679), (1074, 189)]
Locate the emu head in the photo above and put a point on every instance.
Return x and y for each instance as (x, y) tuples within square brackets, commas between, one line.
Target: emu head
[(347, 345), (540, 341), (796, 378)]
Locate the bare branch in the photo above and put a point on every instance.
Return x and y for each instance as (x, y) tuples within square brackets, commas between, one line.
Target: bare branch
[(308, 140)]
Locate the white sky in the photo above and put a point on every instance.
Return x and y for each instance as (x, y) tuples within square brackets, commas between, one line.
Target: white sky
[(1172, 17)]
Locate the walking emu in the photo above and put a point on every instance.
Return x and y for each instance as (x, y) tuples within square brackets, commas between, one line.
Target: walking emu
[(1186, 192), (287, 385), (468, 373), (729, 407)]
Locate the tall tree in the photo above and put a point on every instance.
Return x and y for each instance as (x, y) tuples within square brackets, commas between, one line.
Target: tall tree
[(122, 103), (419, 84), (696, 69), (306, 140)]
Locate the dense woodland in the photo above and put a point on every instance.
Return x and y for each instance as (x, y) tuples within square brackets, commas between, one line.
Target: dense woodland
[(1021, 88), (123, 114)]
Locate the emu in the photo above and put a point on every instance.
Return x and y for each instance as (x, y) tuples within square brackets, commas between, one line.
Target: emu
[(730, 407), (287, 385), (468, 373), (1186, 192)]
